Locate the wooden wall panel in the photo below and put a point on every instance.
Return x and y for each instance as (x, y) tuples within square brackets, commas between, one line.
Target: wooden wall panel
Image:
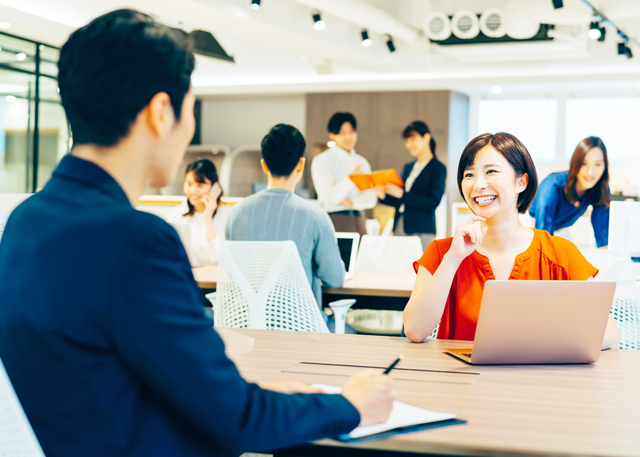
[(382, 116)]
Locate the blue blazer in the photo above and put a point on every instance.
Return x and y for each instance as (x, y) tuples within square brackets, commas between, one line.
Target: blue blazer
[(104, 338), (421, 201)]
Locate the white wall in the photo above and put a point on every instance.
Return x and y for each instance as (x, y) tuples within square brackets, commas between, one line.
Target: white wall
[(244, 120)]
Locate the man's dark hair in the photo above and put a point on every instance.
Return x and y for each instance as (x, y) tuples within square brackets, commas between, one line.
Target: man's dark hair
[(516, 154), (282, 149), (336, 121), (110, 69)]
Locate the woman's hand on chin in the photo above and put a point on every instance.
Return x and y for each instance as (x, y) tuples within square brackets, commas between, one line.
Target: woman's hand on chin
[(467, 237)]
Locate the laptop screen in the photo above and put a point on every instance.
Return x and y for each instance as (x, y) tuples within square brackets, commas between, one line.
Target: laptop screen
[(345, 246)]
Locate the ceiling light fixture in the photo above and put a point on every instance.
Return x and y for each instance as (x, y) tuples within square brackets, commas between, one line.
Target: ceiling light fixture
[(496, 89), (557, 4), (318, 23), (10, 98), (5, 25), (21, 56), (594, 30), (255, 4), (390, 45), (624, 50), (366, 41)]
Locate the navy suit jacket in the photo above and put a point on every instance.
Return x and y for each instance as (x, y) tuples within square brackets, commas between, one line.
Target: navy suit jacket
[(104, 338), (421, 201)]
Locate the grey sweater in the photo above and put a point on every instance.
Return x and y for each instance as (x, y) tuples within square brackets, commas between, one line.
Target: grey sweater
[(279, 215)]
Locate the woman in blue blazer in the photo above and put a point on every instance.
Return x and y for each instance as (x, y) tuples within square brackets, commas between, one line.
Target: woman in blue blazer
[(424, 180), (563, 197)]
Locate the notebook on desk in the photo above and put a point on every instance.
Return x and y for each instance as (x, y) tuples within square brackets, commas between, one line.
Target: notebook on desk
[(532, 322), (348, 247), (403, 418)]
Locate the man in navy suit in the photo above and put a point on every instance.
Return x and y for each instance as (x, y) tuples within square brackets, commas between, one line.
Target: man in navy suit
[(102, 330)]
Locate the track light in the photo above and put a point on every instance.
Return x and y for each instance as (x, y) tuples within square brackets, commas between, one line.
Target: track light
[(603, 32), (594, 30), (390, 45), (255, 4), (318, 23), (366, 41), (624, 50), (557, 4)]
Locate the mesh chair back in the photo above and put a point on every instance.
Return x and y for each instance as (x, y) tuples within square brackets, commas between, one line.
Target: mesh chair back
[(388, 253), (3, 223), (616, 266), (16, 436), (263, 285)]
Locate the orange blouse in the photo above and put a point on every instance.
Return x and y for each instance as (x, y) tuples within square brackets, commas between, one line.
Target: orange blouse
[(547, 258)]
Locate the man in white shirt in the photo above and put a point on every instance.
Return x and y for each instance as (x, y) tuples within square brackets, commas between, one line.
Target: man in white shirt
[(330, 170)]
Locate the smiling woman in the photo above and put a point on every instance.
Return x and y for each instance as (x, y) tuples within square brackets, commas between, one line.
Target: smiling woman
[(564, 197), (498, 180)]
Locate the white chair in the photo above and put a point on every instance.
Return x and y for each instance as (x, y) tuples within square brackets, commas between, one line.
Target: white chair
[(16, 435), (3, 223), (616, 266), (388, 253), (263, 285)]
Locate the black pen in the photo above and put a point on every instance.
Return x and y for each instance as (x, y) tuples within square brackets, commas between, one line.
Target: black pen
[(393, 365)]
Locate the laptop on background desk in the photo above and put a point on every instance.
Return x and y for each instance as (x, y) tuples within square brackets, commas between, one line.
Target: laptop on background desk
[(528, 322), (348, 246)]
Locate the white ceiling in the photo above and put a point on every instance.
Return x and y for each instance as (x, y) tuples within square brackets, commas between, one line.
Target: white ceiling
[(277, 50)]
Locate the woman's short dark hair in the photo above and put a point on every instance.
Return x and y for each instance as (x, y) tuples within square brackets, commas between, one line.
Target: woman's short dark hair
[(419, 128), (601, 188), (203, 170), (111, 68), (336, 121), (282, 149), (516, 154)]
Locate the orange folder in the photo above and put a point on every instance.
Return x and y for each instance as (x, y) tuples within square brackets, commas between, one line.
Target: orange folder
[(366, 181)]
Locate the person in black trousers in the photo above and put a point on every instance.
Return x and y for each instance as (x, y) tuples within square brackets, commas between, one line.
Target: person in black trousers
[(424, 180)]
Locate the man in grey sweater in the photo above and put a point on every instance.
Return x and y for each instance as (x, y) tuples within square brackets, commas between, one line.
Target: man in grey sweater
[(277, 214)]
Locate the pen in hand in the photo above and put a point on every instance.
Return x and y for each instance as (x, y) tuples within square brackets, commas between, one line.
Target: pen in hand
[(393, 365)]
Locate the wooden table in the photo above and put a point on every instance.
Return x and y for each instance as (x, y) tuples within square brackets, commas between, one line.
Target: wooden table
[(564, 410), (396, 284)]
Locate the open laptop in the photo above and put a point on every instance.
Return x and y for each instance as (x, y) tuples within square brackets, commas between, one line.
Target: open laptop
[(184, 232), (540, 322), (348, 247)]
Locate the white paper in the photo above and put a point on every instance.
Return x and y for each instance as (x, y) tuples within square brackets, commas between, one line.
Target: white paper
[(402, 415)]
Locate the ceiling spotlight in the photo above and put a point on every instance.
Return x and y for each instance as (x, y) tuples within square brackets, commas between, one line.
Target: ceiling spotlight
[(10, 98), (557, 4), (255, 4), (594, 30), (496, 89), (21, 56), (624, 50), (5, 25), (318, 23), (366, 41), (603, 32), (390, 45)]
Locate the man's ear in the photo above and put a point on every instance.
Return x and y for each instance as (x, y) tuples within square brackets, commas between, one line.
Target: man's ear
[(522, 182), (159, 114), (264, 166), (300, 166)]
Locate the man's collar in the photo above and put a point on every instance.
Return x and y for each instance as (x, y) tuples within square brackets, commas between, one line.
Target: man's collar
[(89, 174)]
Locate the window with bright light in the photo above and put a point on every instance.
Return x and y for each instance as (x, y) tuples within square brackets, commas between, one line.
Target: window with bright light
[(534, 122), (615, 120)]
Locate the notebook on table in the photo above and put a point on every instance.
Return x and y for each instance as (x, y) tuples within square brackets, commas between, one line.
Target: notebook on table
[(534, 322), (404, 418), (348, 247)]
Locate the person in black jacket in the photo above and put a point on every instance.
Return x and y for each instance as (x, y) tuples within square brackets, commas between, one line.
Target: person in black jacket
[(424, 180)]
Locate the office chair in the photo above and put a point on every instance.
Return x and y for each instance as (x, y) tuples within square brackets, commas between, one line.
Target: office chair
[(625, 309), (3, 223), (16, 435), (263, 285)]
